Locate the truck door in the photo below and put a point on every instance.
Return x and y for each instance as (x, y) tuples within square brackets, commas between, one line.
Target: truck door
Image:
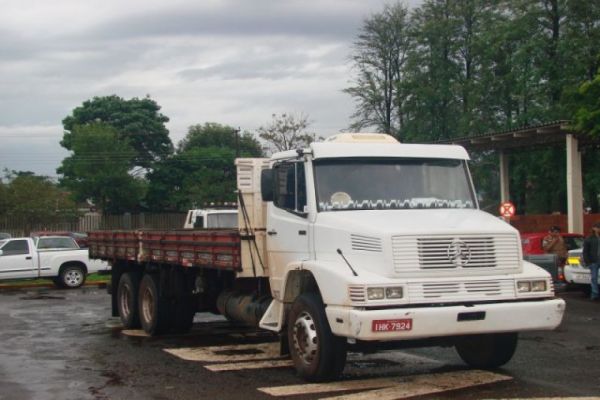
[(287, 223), (16, 260)]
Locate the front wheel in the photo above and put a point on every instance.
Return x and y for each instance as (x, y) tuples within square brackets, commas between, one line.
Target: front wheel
[(318, 355), (487, 351), (72, 276)]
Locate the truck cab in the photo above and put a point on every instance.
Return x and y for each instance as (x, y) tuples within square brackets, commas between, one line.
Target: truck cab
[(373, 241)]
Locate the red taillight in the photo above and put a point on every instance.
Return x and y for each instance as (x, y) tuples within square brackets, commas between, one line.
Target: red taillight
[(561, 275)]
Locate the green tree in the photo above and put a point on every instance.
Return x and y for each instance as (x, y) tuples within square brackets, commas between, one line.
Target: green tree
[(287, 132), (35, 200), (203, 169), (98, 168), (213, 134), (138, 121)]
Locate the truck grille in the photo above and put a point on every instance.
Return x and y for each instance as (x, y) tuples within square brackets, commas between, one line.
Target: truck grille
[(461, 291), (443, 252)]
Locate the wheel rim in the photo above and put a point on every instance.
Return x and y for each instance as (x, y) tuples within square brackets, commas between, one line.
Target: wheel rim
[(148, 305), (124, 300), (306, 341), (73, 277)]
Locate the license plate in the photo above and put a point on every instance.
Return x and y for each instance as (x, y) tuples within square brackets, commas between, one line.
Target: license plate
[(392, 325)]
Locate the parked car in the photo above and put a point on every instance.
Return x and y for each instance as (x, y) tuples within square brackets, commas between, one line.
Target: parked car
[(534, 252), (577, 274), (4, 235), (55, 257), (79, 237)]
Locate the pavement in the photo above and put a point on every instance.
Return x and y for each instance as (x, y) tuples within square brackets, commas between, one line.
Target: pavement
[(63, 344)]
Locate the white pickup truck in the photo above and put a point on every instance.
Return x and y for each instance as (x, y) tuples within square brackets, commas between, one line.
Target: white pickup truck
[(55, 257)]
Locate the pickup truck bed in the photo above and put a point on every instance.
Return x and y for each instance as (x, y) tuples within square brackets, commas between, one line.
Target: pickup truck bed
[(204, 248)]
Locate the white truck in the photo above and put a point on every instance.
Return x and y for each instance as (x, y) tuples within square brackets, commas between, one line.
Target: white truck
[(56, 257), (360, 243)]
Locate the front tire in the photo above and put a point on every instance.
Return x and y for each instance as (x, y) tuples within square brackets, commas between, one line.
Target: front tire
[(153, 310), (487, 351), (72, 276), (127, 300), (318, 355)]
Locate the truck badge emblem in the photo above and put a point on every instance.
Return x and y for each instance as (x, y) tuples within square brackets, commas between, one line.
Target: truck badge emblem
[(459, 253)]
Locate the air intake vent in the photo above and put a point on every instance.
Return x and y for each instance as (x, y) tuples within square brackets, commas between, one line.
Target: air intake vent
[(356, 293), (366, 243)]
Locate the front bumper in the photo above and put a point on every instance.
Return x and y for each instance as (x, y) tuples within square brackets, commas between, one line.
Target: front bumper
[(442, 321)]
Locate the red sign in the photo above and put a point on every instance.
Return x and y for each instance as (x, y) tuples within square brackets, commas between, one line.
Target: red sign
[(507, 209), (391, 325)]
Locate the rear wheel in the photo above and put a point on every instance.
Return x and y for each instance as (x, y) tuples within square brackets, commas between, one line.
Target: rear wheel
[(153, 310), (72, 276), (487, 351), (127, 300), (318, 355)]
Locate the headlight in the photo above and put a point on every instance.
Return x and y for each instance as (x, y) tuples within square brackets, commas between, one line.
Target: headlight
[(532, 286), (523, 286), (375, 293), (394, 292), (538, 286)]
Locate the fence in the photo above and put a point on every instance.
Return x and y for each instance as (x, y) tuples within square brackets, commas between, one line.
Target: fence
[(18, 226), (541, 223)]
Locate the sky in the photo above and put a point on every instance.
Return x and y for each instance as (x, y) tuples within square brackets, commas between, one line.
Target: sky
[(234, 62)]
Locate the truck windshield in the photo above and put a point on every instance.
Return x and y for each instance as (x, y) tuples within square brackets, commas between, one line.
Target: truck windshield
[(401, 183)]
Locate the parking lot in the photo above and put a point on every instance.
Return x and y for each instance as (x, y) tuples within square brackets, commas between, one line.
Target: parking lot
[(64, 344)]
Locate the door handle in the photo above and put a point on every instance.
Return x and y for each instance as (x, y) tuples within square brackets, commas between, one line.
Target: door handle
[(272, 232), (28, 258), (302, 233)]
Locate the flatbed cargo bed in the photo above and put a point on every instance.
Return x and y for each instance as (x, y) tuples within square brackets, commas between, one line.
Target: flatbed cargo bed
[(206, 248)]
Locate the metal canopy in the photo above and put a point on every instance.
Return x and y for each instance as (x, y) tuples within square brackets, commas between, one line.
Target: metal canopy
[(547, 134), (556, 133)]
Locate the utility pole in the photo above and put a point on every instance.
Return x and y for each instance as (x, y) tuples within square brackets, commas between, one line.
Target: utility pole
[(236, 132)]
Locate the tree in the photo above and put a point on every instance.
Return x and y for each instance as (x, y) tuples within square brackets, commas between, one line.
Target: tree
[(379, 56), (35, 200), (287, 132), (213, 134), (98, 168), (203, 169), (137, 121)]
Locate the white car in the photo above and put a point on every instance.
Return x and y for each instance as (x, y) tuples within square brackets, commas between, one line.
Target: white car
[(577, 274), (55, 257)]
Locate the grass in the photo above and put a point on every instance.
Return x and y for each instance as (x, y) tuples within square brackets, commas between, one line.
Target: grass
[(92, 278)]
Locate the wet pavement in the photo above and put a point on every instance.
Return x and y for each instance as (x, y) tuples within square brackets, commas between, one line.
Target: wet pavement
[(63, 344)]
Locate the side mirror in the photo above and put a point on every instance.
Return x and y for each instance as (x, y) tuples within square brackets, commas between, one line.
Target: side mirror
[(266, 184)]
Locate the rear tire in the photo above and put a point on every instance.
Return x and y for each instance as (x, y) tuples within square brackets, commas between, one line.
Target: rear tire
[(127, 300), (153, 309), (487, 351), (318, 354), (72, 276)]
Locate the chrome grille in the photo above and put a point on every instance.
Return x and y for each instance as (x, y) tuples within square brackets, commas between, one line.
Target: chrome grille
[(461, 291), (464, 252), (365, 243)]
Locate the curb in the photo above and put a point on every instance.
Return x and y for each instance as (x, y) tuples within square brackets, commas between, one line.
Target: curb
[(100, 284)]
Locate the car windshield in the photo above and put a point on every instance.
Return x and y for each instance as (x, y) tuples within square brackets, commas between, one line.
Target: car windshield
[(401, 183)]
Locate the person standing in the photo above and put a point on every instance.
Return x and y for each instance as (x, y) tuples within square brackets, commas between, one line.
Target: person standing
[(591, 258), (555, 244)]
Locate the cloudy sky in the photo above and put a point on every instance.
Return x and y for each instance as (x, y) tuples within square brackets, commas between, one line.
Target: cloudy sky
[(234, 62)]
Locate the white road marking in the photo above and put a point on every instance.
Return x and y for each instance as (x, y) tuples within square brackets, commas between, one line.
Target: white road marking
[(222, 354), (249, 365), (420, 385)]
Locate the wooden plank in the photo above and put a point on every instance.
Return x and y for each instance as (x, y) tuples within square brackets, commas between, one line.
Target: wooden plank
[(233, 353), (340, 386), (428, 384), (249, 365)]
